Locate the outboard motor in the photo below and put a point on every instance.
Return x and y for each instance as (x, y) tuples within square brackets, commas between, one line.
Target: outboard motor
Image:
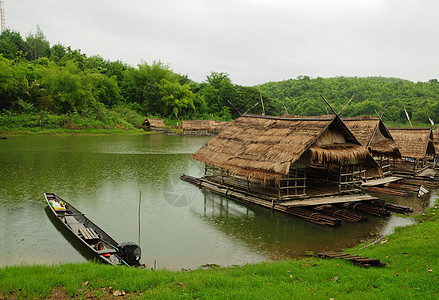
[(130, 253)]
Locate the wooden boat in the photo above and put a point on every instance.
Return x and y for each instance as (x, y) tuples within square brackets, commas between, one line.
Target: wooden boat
[(100, 244)]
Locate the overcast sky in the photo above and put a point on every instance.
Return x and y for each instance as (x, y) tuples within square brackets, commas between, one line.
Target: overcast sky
[(254, 41)]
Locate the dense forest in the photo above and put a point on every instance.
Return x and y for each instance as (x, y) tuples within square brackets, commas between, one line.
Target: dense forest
[(59, 85), (372, 94)]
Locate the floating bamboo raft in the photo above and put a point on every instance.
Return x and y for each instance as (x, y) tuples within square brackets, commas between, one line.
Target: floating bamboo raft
[(340, 213), (314, 217), (403, 186), (327, 211), (385, 190), (369, 209), (391, 207), (311, 216), (355, 259), (419, 182)]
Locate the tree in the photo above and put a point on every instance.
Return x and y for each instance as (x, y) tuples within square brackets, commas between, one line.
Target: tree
[(57, 52), (218, 91), (145, 85), (176, 99), (12, 84), (67, 88), (36, 45), (11, 43)]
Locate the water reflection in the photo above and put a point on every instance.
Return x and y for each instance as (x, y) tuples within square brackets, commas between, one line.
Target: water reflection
[(102, 176), (282, 236)]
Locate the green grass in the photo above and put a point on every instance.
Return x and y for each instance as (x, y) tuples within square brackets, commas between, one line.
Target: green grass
[(118, 120), (412, 270)]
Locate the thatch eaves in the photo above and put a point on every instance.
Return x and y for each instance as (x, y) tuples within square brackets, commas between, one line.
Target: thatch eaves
[(414, 142), (436, 140), (373, 134), (264, 147)]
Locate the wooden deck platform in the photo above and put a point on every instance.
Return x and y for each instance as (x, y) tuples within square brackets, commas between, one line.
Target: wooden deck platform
[(427, 173), (327, 200), (381, 181)]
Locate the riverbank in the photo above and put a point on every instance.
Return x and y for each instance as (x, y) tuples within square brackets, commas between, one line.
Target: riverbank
[(121, 122), (112, 122), (411, 255), (69, 132)]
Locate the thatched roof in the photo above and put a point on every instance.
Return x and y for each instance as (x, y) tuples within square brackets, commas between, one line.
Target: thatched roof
[(218, 126), (265, 147), (373, 134), (158, 123), (436, 140), (414, 142), (197, 125)]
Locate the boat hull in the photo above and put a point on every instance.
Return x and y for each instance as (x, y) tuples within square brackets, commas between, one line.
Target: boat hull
[(96, 243)]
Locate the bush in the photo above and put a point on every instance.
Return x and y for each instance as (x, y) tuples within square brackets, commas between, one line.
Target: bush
[(103, 118)]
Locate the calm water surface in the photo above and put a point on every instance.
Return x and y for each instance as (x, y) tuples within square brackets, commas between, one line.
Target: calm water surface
[(181, 226)]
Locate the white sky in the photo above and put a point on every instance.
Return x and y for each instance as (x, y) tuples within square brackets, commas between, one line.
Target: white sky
[(255, 41)]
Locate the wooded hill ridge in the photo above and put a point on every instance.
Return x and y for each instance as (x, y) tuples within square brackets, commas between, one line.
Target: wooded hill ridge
[(37, 77)]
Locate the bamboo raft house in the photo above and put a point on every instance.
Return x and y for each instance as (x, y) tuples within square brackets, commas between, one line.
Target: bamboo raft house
[(285, 163), (197, 127), (417, 148), (375, 136), (153, 125), (203, 127)]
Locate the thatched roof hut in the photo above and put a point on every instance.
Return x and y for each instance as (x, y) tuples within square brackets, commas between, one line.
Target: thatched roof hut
[(374, 135), (197, 125), (414, 143), (207, 127), (154, 123), (265, 147)]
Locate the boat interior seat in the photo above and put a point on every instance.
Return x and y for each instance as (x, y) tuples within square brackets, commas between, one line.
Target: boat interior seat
[(79, 228), (88, 234)]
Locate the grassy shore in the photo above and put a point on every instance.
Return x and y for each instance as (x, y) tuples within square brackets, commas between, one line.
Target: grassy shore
[(63, 125), (411, 255), (62, 131), (117, 121), (66, 131)]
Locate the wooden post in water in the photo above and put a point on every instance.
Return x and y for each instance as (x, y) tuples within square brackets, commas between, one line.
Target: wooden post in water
[(140, 203)]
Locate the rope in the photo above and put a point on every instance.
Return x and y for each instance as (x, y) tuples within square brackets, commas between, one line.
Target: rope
[(337, 212), (316, 213), (353, 207)]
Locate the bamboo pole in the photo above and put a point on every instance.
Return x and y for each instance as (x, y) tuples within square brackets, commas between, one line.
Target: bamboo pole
[(353, 95), (263, 108), (326, 101), (140, 204), (408, 118), (256, 104), (234, 107)]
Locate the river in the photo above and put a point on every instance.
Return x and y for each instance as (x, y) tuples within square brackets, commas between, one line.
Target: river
[(181, 226)]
